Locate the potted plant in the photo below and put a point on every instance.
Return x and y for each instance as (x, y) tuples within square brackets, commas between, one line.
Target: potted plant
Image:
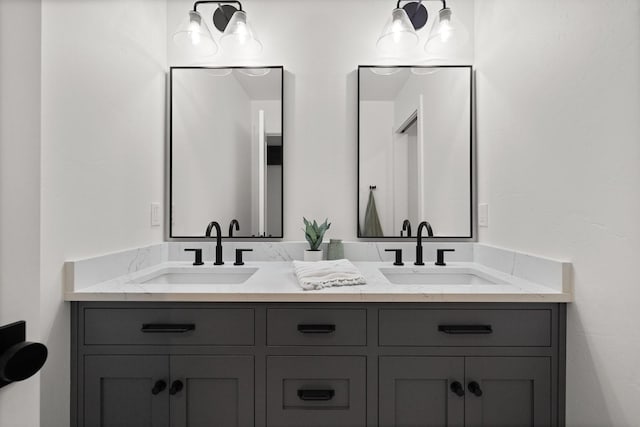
[(314, 233)]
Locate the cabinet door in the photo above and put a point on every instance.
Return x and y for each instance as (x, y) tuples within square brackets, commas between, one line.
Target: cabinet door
[(119, 391), (216, 391), (417, 391), (512, 391)]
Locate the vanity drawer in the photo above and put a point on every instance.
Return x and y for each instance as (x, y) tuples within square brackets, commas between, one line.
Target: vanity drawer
[(339, 327), (465, 327), (316, 391), (169, 326)]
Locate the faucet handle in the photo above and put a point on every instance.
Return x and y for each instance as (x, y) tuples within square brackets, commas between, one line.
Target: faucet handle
[(239, 256), (440, 256), (398, 256), (198, 253)]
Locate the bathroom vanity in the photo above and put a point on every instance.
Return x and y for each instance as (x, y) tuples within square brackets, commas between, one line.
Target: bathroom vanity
[(485, 349), (322, 364)]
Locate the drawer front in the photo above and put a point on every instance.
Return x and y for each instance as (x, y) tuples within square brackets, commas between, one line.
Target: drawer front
[(169, 326), (459, 327), (316, 391), (339, 327)]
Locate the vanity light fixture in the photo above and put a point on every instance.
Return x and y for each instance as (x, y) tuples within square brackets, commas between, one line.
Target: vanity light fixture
[(237, 35), (399, 35)]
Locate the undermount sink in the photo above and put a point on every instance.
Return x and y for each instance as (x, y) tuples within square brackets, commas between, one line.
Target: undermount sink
[(417, 276), (198, 276)]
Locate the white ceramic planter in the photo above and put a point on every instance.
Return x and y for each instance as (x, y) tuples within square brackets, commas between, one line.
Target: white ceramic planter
[(310, 255)]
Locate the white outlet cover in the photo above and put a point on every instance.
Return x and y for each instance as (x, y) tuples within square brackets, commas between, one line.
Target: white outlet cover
[(155, 214), (483, 215)]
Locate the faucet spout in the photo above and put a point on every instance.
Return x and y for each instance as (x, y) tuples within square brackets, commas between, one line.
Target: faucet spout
[(406, 226), (234, 223), (423, 225), (210, 227)]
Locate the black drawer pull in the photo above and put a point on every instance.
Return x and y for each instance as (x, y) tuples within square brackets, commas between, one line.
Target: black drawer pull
[(167, 328), (466, 329), (316, 395), (316, 329)]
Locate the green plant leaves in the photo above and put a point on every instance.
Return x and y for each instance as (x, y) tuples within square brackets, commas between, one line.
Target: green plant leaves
[(314, 233)]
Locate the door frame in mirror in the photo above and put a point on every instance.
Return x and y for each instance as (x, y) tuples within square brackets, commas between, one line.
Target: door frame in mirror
[(472, 237), (168, 211)]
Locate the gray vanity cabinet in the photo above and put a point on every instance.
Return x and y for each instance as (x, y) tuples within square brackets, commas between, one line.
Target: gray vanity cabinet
[(171, 391), (416, 391), (184, 364), (438, 391), (126, 391), (217, 391), (513, 392)]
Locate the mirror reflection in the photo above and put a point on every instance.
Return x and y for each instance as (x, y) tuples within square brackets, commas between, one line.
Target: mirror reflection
[(414, 151), (226, 151)]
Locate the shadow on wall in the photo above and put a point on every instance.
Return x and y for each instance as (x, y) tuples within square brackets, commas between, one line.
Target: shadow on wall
[(583, 368)]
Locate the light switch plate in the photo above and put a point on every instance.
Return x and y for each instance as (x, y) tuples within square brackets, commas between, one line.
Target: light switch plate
[(155, 214), (483, 215)]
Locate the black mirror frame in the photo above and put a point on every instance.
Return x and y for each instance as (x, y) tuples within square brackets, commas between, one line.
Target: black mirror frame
[(472, 237), (169, 167)]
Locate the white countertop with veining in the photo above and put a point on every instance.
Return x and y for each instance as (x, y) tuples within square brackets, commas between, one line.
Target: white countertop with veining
[(274, 281)]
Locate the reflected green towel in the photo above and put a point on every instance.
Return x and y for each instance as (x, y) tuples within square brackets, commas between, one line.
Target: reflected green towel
[(372, 227)]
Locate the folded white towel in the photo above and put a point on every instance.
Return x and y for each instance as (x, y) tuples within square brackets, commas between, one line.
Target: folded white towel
[(322, 274)]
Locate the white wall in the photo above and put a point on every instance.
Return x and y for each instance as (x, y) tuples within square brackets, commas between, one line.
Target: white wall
[(320, 45), (103, 115), (209, 174), (558, 86), (20, 192)]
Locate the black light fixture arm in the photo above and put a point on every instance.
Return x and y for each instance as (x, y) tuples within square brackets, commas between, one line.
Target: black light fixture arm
[(199, 2), (444, 2)]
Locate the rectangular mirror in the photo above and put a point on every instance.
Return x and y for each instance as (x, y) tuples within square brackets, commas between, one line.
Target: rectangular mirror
[(414, 151), (226, 151)]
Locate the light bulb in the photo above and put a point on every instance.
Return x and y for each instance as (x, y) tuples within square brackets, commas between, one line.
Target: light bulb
[(194, 32), (445, 30)]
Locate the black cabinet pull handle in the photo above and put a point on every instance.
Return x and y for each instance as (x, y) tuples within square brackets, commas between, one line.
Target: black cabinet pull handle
[(457, 388), (158, 387), (167, 328), (316, 395), (474, 388), (316, 329), (466, 329), (176, 387)]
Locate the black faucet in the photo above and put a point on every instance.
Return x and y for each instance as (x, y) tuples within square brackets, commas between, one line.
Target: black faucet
[(422, 225), (218, 241), (406, 226), (237, 226)]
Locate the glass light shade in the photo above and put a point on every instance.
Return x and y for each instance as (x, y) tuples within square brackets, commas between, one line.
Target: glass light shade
[(385, 71), (447, 35), (398, 35), (194, 37), (254, 72), (239, 38)]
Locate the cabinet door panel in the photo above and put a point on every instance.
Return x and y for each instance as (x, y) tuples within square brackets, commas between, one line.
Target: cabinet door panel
[(217, 391), (415, 392), (118, 391), (516, 391)]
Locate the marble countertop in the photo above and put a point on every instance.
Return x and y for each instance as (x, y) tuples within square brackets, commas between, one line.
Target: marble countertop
[(275, 281)]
